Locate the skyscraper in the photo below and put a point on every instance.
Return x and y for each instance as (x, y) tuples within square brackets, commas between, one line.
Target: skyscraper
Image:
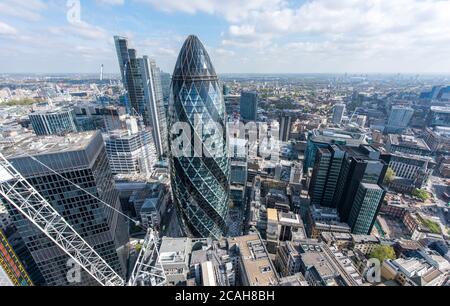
[(319, 177), (365, 208), (200, 180), (285, 127), (249, 106), (80, 158), (361, 165), (338, 113), (399, 119), (326, 175), (141, 78)]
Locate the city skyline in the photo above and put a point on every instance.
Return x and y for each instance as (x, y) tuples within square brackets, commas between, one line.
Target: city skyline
[(287, 36)]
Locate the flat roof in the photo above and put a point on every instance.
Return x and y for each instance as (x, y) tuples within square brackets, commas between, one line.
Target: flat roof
[(371, 186), (441, 109), (257, 265), (38, 145), (272, 214), (408, 141)]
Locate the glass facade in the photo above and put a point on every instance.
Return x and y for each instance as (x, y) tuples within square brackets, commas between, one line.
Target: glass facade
[(365, 208), (200, 183), (53, 122), (249, 106), (141, 78), (99, 225)]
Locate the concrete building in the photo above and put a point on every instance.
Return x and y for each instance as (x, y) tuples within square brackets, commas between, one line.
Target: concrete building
[(415, 168), (324, 219), (282, 226), (131, 150), (174, 256), (255, 266), (438, 138), (320, 264), (407, 144), (439, 116), (412, 272)]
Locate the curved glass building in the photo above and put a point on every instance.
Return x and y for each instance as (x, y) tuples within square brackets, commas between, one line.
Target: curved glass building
[(200, 179)]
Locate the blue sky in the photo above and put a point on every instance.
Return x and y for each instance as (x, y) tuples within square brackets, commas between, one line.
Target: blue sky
[(259, 36)]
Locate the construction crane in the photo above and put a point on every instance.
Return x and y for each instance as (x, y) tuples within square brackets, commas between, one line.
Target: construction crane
[(21, 195)]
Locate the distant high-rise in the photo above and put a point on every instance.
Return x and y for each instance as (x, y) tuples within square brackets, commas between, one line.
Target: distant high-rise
[(338, 113), (249, 106), (366, 205), (200, 180), (53, 121), (285, 127), (166, 80), (399, 119), (80, 158), (141, 78)]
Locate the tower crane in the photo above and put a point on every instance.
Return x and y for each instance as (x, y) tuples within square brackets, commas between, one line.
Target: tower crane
[(21, 195)]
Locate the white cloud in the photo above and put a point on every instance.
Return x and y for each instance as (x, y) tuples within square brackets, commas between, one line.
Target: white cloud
[(6, 29), (111, 2), (232, 10), (28, 10)]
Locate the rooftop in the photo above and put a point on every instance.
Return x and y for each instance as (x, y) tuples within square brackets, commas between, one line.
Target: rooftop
[(408, 141), (39, 145), (441, 109), (257, 265)]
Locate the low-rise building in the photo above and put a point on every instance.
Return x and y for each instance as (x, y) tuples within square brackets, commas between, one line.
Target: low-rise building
[(255, 266), (412, 272)]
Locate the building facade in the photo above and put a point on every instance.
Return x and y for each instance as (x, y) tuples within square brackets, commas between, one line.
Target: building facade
[(131, 151), (338, 113), (200, 180), (141, 79), (365, 208), (81, 158), (249, 106), (53, 122), (399, 119)]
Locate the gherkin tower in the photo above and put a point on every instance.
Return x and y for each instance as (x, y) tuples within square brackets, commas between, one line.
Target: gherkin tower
[(199, 178)]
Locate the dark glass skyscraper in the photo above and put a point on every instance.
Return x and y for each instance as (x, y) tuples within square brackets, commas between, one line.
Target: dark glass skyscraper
[(80, 158), (200, 182), (249, 106)]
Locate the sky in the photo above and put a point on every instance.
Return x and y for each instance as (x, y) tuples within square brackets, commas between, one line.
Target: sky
[(241, 36)]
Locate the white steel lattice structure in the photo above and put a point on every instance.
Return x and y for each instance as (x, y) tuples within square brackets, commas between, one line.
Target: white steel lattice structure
[(146, 271), (16, 191)]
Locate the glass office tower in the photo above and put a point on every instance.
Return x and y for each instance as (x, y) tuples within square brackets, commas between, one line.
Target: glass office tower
[(200, 180)]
